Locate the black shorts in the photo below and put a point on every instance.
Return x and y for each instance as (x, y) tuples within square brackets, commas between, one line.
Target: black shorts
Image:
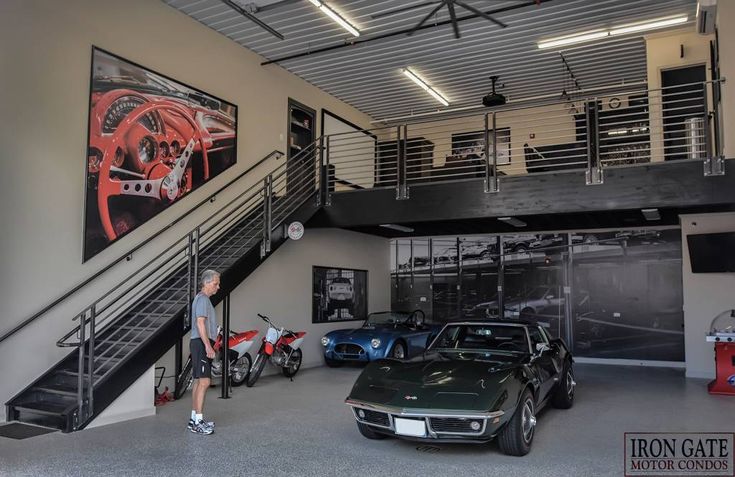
[(201, 366)]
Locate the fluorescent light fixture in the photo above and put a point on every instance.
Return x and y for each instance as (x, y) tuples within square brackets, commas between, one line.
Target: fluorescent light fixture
[(649, 25), (335, 17), (651, 214), (434, 93), (400, 228), (513, 221), (569, 40), (618, 30)]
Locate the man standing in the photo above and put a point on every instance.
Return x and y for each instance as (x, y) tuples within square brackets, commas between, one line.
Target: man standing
[(203, 329)]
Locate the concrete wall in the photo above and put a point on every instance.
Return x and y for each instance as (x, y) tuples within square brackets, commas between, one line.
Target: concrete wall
[(705, 295), (281, 289), (45, 63), (134, 403)]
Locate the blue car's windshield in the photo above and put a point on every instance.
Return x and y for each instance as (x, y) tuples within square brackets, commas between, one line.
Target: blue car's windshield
[(386, 318), (482, 337)]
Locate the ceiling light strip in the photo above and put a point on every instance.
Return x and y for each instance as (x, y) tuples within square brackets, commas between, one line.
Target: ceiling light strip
[(336, 17), (619, 30), (435, 94)]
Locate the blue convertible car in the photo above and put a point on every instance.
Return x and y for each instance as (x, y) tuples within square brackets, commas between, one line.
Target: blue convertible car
[(388, 334)]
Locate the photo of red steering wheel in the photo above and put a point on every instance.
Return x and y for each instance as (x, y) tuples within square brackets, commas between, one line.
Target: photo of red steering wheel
[(163, 181)]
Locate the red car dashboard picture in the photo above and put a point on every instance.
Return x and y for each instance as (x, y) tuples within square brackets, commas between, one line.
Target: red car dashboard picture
[(152, 140)]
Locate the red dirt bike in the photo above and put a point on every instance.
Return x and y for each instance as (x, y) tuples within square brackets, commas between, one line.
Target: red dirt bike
[(240, 361), (281, 347)]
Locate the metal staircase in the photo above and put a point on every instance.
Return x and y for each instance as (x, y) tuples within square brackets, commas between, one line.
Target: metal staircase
[(125, 331)]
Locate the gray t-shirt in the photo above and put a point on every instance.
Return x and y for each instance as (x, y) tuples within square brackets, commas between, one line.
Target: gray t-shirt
[(202, 306)]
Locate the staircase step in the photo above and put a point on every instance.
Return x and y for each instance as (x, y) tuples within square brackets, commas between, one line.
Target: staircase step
[(48, 407)]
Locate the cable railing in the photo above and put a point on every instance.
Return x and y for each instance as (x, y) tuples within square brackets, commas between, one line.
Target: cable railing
[(592, 134), (149, 297)]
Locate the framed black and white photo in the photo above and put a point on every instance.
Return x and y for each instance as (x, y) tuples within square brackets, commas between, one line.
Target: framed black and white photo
[(339, 294), (471, 145)]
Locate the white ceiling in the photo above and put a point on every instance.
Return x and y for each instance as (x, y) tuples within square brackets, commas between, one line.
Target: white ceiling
[(367, 75)]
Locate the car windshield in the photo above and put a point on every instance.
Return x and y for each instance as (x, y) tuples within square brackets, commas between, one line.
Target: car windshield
[(386, 318), (482, 337), (341, 280)]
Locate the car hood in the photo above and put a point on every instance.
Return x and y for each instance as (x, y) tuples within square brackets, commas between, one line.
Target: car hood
[(439, 383), (366, 332)]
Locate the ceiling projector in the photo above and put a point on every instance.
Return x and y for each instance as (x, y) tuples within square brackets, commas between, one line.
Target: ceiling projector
[(493, 98)]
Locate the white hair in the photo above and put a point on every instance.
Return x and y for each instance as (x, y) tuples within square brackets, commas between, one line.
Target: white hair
[(208, 276)]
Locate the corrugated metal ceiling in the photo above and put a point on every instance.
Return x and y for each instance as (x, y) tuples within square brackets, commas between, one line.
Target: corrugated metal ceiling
[(368, 76)]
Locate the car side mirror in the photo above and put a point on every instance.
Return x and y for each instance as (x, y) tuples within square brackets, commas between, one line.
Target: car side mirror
[(541, 347), (549, 297)]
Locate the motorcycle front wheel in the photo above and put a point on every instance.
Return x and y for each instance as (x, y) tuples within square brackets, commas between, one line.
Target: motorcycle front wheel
[(258, 365), (294, 363), (243, 365), (183, 382)]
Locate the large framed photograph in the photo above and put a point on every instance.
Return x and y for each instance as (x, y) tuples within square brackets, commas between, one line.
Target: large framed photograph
[(152, 140), (340, 294), (471, 145)]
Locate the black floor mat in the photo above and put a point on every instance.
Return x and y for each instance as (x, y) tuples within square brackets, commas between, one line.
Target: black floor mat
[(17, 430)]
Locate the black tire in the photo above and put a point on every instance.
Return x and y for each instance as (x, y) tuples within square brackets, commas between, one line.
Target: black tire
[(563, 397), (245, 362), (520, 249), (398, 351), (333, 363), (258, 365), (183, 382), (291, 371), (368, 432), (517, 435)]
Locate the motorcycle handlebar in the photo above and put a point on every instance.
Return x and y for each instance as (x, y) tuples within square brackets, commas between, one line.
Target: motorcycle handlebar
[(267, 320)]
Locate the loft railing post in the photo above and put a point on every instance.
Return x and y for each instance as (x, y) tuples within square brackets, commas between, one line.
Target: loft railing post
[(327, 175), (402, 186), (90, 353), (714, 163), (265, 246), (320, 173), (191, 281), (594, 166), (491, 153), (225, 350), (79, 416), (197, 234)]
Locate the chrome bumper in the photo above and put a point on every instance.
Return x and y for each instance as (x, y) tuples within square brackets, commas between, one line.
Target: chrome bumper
[(426, 414)]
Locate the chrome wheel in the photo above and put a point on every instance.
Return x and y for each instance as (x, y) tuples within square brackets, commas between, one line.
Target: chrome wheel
[(528, 421), (399, 352), (570, 384)]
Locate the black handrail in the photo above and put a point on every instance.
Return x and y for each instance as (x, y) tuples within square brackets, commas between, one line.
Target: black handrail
[(66, 295)]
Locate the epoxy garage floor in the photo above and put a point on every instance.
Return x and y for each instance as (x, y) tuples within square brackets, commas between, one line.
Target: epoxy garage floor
[(302, 428)]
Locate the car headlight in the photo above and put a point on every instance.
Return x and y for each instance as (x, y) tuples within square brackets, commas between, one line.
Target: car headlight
[(375, 343), (325, 341)]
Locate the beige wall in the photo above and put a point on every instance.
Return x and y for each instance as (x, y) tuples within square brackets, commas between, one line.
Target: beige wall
[(726, 31), (663, 52), (705, 295), (45, 52)]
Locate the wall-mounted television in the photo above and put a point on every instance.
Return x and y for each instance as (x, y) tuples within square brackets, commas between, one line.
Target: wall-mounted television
[(712, 253)]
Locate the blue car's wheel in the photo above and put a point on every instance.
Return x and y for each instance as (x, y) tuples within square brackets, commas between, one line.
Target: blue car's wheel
[(398, 351)]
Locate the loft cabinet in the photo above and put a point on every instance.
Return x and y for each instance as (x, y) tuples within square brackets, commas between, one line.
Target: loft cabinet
[(301, 126)]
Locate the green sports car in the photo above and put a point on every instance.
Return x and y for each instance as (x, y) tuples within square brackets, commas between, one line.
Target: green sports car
[(477, 380)]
